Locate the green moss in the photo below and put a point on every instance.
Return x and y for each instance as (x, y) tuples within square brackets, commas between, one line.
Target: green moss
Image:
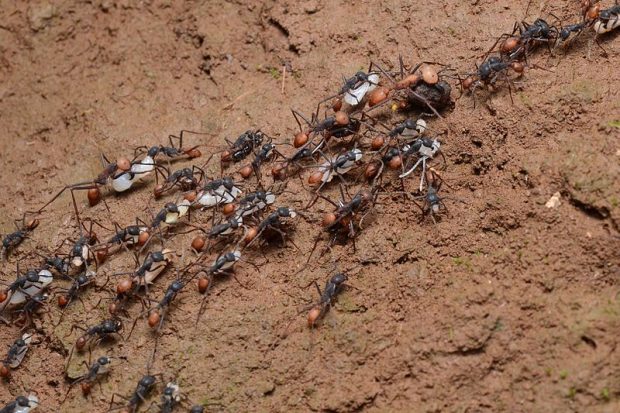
[(605, 394)]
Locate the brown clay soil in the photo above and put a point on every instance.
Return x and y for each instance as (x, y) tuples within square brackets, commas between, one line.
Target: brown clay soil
[(503, 305)]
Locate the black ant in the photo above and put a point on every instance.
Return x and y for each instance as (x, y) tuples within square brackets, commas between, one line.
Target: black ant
[(273, 222), (156, 315), (25, 286), (98, 332), (254, 202), (30, 308), (143, 388), (332, 287), (97, 369), (15, 355), (153, 265), (184, 178), (172, 151), (243, 146), (493, 68), (79, 283), (355, 88), (13, 239), (515, 46), (343, 218), (94, 335), (336, 166), (338, 125)]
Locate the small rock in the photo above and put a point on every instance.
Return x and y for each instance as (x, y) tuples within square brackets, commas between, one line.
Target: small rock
[(554, 201), (40, 16), (266, 388)]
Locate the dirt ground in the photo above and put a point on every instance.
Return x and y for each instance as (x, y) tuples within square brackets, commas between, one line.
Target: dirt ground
[(503, 305)]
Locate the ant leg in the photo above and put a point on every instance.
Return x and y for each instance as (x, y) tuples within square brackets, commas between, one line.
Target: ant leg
[(427, 103)]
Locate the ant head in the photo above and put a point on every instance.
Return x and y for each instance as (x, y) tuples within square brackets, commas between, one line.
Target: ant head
[(32, 276), (104, 360), (171, 207), (147, 381), (339, 278), (113, 324), (153, 151), (22, 401), (177, 286)]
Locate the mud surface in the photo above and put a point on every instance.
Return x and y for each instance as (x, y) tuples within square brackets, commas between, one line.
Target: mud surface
[(503, 305)]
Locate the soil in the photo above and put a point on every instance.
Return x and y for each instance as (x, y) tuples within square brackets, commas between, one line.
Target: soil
[(503, 305)]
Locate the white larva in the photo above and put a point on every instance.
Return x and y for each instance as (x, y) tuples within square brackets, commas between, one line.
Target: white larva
[(602, 26), (354, 96), (123, 182)]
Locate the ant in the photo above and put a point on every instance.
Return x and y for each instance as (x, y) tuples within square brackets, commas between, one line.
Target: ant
[(15, 238), (336, 166), (292, 164), (332, 287), (170, 213), (120, 175), (143, 388), (272, 222), (99, 368), (223, 264), (607, 20), (183, 178), (94, 335), (515, 47), (137, 234), (30, 308), (338, 125), (425, 149), (153, 265), (342, 217), (24, 286), (171, 151), (243, 146), (267, 153), (357, 86), (254, 202), (432, 203), (156, 315), (21, 404), (80, 282), (98, 332), (16, 354), (216, 192), (489, 71)]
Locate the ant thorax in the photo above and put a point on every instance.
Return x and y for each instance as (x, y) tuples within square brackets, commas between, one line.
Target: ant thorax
[(354, 96)]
